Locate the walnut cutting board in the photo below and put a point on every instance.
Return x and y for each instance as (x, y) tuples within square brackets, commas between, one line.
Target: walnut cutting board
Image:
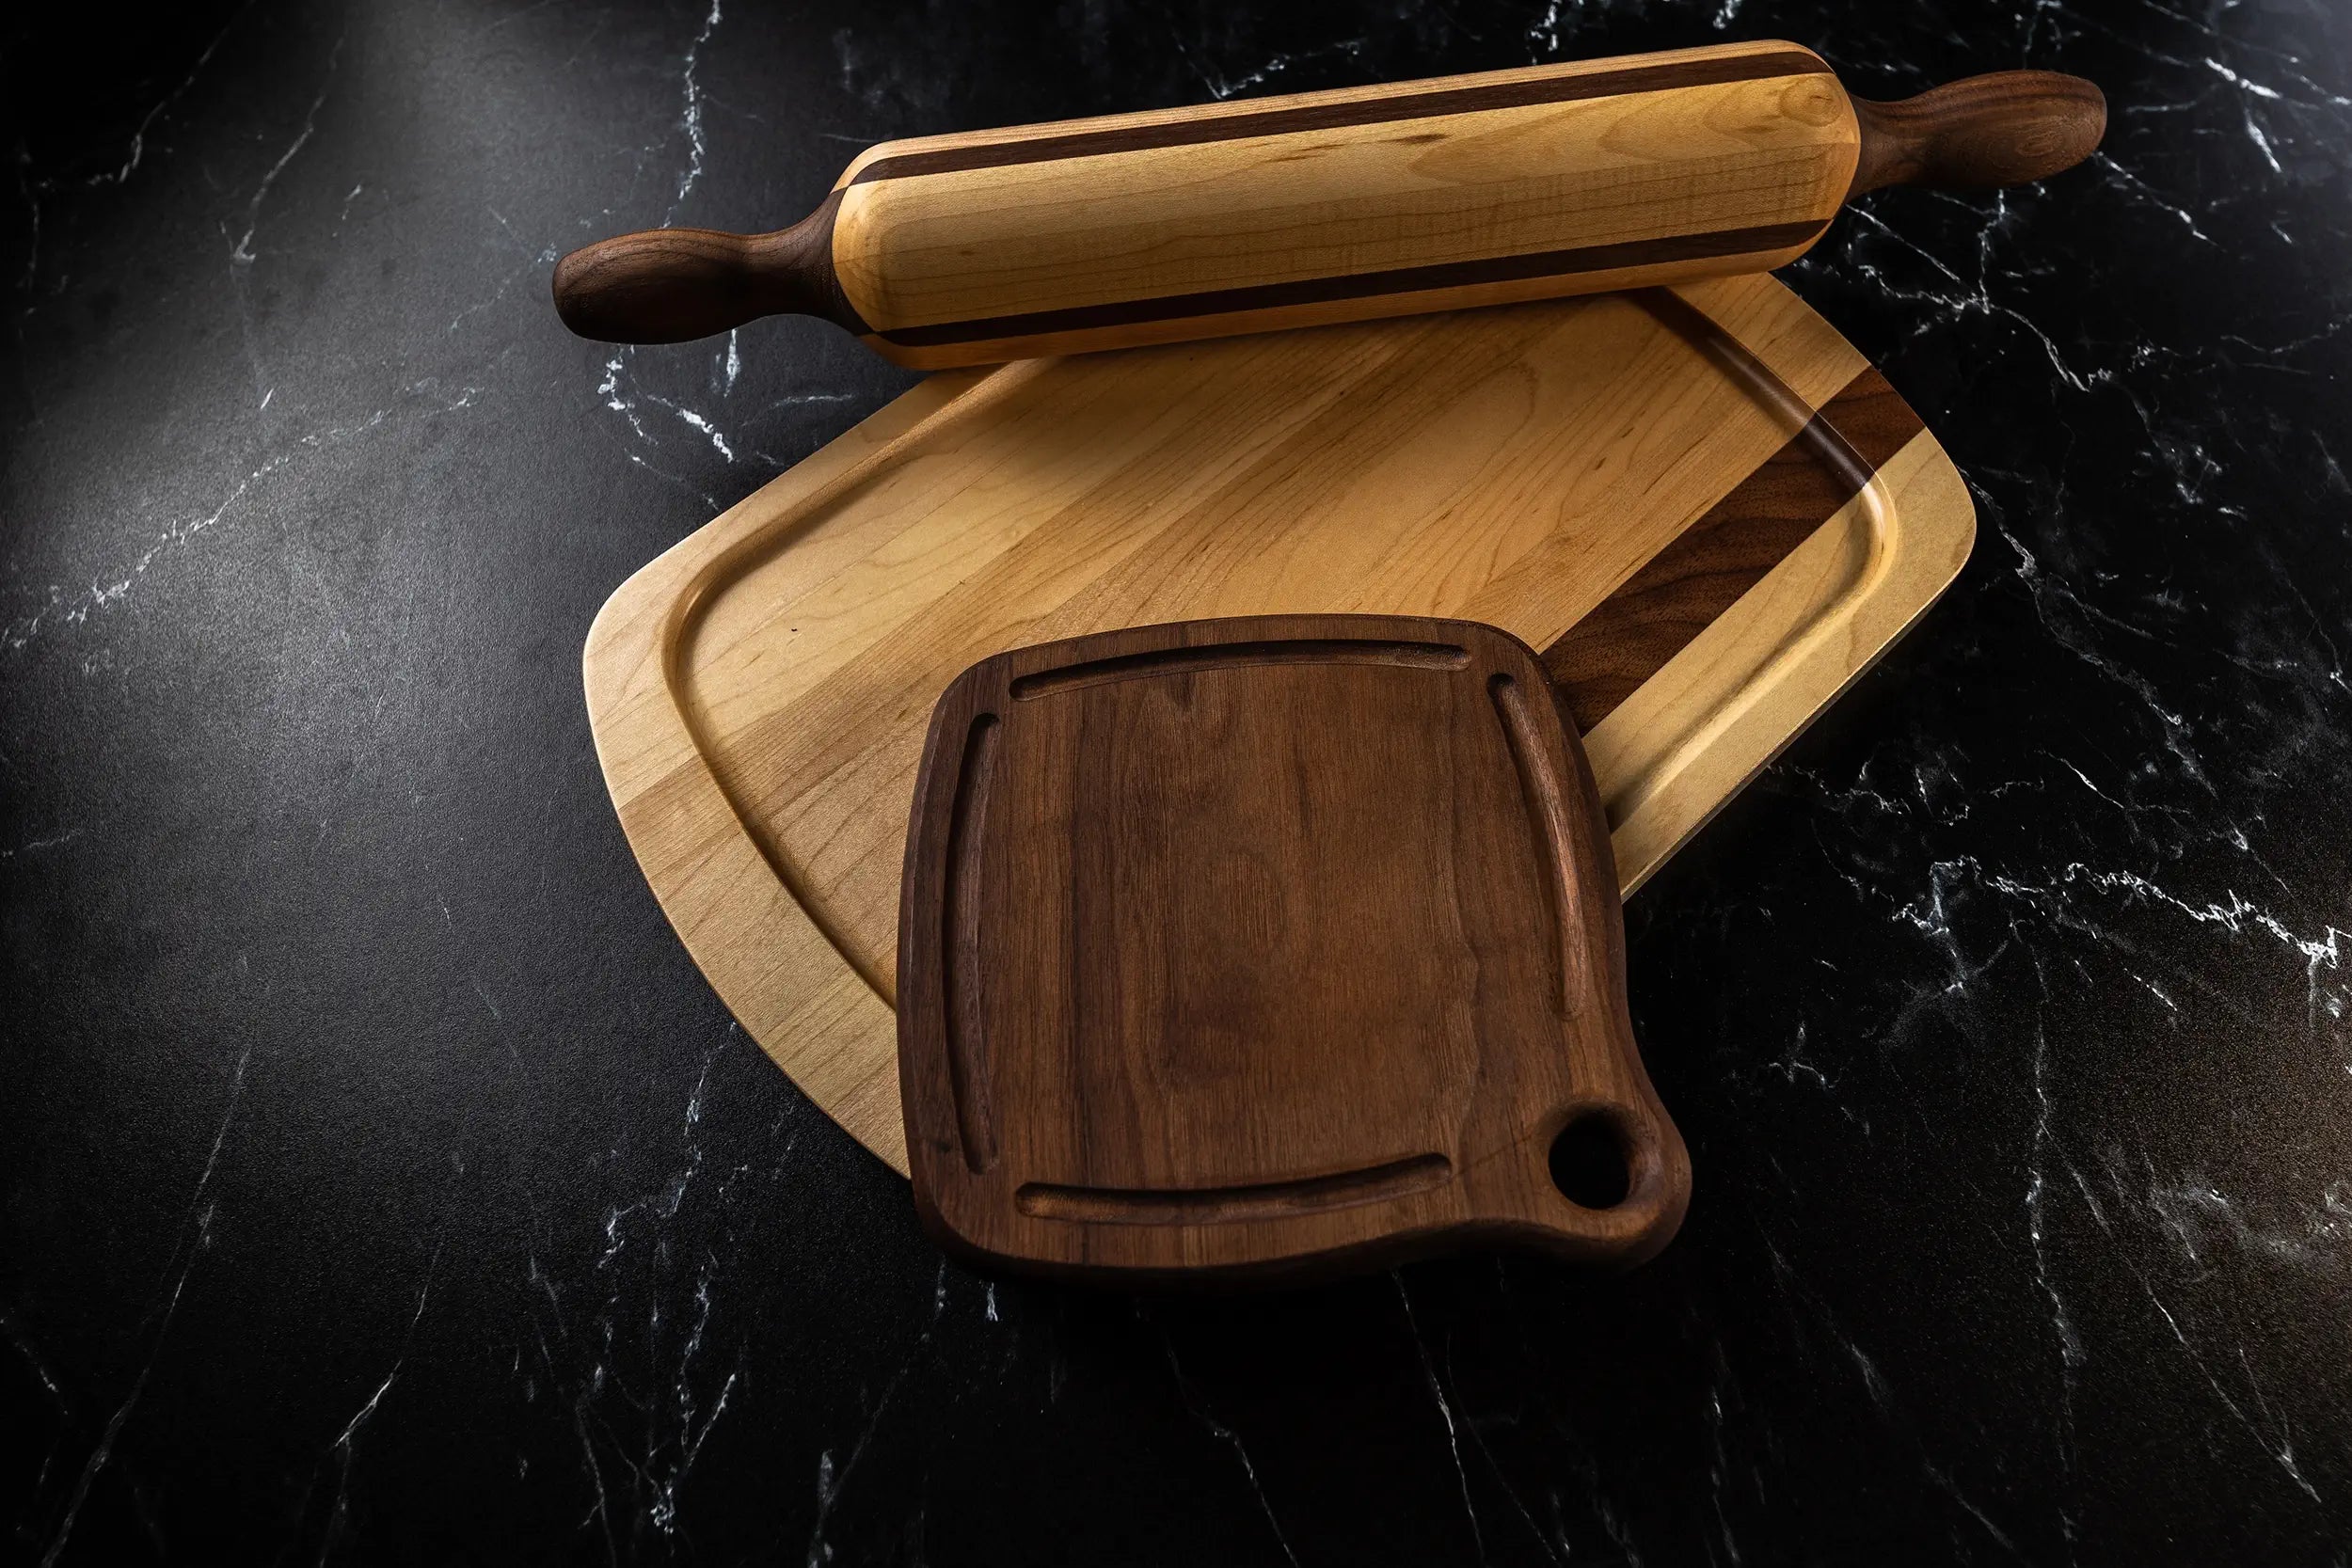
[(1268, 945), (1701, 505)]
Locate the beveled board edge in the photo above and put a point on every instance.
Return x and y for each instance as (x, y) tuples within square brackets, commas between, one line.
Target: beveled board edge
[(836, 1038), (727, 903)]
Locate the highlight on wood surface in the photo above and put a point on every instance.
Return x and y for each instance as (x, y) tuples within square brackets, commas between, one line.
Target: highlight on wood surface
[(1702, 506), (1413, 197)]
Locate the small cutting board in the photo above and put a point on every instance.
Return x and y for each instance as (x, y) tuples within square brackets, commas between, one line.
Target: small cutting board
[(1268, 945), (1701, 505)]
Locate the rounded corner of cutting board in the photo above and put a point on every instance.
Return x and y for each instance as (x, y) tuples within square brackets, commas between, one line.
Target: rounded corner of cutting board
[(1818, 659), (737, 920), (617, 638), (737, 900), (1951, 516)]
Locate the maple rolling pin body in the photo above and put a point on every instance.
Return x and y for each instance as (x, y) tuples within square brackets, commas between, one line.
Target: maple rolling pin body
[(1332, 206)]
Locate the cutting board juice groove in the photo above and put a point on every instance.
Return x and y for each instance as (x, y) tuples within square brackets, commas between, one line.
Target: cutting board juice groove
[(1702, 506)]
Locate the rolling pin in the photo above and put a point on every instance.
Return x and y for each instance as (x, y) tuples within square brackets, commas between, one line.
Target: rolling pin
[(1332, 206)]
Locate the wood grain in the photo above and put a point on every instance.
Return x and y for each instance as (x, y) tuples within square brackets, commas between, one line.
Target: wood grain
[(759, 694), (1346, 109), (1685, 587), (673, 285), (1682, 167), (1265, 945), (1409, 197), (1341, 298), (2004, 129)]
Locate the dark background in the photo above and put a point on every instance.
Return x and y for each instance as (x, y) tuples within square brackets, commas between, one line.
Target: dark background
[(379, 1180)]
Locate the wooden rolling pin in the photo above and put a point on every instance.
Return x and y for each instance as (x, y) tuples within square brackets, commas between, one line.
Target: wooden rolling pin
[(1332, 206)]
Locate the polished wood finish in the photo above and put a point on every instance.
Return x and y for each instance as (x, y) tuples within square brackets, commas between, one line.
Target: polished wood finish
[(1688, 586), (673, 285), (759, 695), (1529, 184), (1265, 945), (1345, 110), (2005, 129), (1415, 197)]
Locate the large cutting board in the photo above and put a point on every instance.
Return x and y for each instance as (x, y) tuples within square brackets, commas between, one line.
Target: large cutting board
[(1700, 505)]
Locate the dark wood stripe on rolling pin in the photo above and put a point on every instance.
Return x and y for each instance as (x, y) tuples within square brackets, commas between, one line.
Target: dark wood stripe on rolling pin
[(1332, 117), (1682, 589), (1366, 285)]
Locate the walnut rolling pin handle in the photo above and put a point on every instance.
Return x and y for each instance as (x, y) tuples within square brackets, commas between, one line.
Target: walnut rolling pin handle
[(673, 285), (1337, 206), (2010, 128)]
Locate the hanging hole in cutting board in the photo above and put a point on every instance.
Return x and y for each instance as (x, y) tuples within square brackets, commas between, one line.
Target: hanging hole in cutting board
[(1590, 1162)]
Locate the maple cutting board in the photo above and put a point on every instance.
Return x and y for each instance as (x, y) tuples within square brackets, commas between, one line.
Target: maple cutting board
[(1701, 505)]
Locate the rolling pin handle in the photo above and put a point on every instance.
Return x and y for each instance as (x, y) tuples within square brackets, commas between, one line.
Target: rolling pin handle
[(2003, 129), (673, 285)]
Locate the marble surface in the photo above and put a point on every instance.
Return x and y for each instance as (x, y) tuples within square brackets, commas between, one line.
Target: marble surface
[(378, 1179)]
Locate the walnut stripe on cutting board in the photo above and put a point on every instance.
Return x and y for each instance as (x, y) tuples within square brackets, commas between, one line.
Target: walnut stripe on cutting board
[(1680, 591)]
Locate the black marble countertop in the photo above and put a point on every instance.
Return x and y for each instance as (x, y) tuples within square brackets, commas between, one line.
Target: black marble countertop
[(380, 1180)]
